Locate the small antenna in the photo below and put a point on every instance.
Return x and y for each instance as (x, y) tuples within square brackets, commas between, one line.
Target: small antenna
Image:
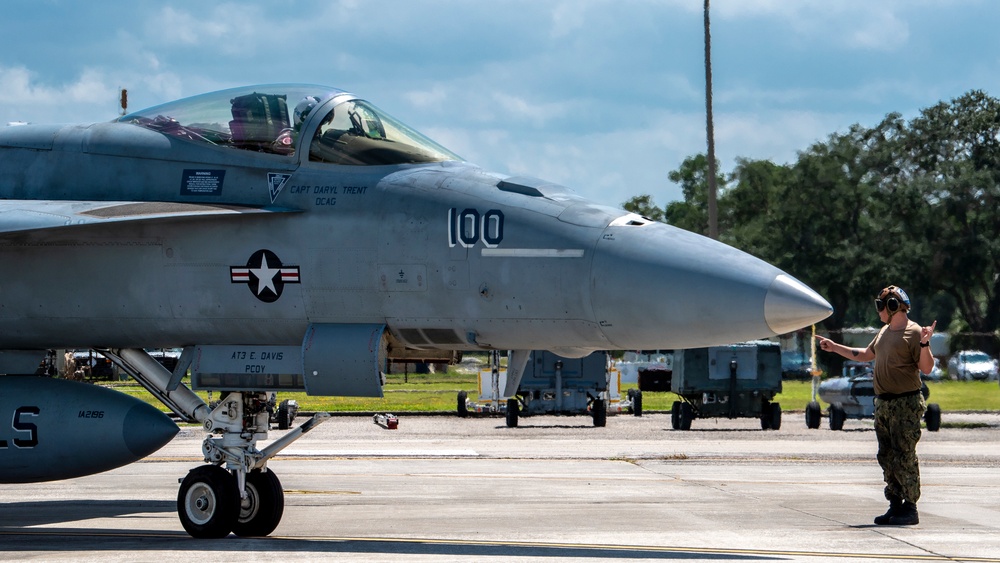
[(123, 101)]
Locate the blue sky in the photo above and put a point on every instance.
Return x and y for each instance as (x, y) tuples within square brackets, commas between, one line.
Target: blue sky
[(604, 96)]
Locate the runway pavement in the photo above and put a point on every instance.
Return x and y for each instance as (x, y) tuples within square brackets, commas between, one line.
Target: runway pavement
[(553, 489)]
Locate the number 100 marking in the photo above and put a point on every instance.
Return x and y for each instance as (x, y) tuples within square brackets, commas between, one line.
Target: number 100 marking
[(467, 227)]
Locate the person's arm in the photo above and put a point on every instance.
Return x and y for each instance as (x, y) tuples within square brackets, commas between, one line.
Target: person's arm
[(926, 361), (857, 354)]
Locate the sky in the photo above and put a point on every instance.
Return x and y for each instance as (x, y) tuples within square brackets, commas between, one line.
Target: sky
[(606, 97)]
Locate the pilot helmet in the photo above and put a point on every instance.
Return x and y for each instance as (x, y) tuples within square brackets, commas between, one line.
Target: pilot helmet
[(892, 298), (302, 110)]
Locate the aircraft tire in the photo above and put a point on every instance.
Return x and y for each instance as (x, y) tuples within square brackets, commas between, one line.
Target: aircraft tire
[(283, 422), (261, 511), (837, 416), (513, 409), (600, 412), (813, 415), (208, 502), (463, 407), (637, 403), (675, 415), (933, 417), (687, 415)]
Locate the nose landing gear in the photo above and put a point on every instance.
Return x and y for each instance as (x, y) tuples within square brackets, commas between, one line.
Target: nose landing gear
[(244, 497)]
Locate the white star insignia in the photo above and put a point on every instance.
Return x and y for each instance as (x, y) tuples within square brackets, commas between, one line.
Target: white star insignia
[(265, 276)]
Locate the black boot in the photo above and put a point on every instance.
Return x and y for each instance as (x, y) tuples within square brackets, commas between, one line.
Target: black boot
[(907, 515), (895, 505)]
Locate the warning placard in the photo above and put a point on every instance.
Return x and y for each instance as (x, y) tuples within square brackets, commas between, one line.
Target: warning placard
[(202, 182)]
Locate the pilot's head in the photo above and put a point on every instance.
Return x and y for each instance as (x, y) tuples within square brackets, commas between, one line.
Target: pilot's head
[(891, 300), (302, 110)]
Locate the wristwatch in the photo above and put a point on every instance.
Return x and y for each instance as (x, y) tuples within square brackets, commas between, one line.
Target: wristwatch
[(924, 344)]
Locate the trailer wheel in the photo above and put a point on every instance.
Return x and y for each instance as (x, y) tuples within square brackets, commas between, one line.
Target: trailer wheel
[(284, 416), (813, 415), (513, 409), (933, 417), (675, 415), (600, 413), (463, 406), (637, 403), (837, 416), (770, 416), (774, 415), (687, 414)]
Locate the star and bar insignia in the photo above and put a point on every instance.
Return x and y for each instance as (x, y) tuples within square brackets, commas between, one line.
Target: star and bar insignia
[(265, 275)]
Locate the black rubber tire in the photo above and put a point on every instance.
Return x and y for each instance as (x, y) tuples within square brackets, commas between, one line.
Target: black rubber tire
[(814, 415), (631, 393), (513, 409), (933, 417), (637, 403), (208, 502), (774, 413), (463, 406), (261, 511), (687, 415), (765, 417), (837, 417), (282, 416), (600, 413), (675, 415)]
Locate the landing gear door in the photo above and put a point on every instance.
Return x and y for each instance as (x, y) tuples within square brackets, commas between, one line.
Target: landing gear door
[(344, 360)]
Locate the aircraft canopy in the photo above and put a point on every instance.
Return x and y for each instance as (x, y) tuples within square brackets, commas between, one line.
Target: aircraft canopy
[(272, 118)]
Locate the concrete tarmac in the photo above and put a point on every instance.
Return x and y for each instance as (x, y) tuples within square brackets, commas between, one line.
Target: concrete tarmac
[(553, 489)]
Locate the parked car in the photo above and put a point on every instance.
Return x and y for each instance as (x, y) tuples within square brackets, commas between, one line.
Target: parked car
[(936, 372), (972, 364)]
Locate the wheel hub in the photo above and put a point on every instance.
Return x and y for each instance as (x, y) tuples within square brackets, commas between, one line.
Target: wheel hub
[(200, 503)]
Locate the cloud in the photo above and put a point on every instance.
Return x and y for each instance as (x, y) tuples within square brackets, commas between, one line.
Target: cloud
[(18, 88), (229, 28), (850, 24), (24, 99), (568, 17), (92, 96)]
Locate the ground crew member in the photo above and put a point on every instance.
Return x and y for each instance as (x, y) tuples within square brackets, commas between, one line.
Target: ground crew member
[(901, 350)]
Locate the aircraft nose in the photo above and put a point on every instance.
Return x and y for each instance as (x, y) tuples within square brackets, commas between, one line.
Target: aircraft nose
[(655, 286), (790, 305)]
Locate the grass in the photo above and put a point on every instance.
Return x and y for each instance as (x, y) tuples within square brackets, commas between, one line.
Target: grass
[(416, 393), (795, 395), (409, 393)]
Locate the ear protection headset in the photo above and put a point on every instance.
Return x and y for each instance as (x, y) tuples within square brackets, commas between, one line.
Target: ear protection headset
[(892, 298)]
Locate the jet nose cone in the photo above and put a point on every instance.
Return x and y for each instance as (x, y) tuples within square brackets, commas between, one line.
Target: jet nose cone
[(790, 305), (656, 287)]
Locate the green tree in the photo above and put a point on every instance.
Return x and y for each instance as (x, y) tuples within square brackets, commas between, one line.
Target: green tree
[(946, 195), (912, 203), (815, 225), (643, 205), (750, 205), (692, 213)]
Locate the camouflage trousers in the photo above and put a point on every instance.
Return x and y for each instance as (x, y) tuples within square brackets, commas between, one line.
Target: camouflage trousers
[(897, 427)]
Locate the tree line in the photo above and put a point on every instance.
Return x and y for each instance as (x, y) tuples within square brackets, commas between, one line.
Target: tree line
[(911, 203)]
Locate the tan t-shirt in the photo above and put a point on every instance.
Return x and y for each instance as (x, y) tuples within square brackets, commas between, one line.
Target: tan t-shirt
[(897, 353)]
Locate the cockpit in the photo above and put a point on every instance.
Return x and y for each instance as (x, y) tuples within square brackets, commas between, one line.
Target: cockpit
[(284, 119)]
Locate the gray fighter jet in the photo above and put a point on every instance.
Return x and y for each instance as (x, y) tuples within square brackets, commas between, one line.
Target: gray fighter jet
[(297, 237)]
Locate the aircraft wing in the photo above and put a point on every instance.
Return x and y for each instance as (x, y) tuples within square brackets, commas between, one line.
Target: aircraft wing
[(29, 215)]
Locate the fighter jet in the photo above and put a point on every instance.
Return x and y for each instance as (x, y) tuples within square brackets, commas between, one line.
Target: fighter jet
[(297, 237)]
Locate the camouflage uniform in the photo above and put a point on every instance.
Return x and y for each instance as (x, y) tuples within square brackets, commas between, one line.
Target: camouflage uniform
[(897, 427)]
